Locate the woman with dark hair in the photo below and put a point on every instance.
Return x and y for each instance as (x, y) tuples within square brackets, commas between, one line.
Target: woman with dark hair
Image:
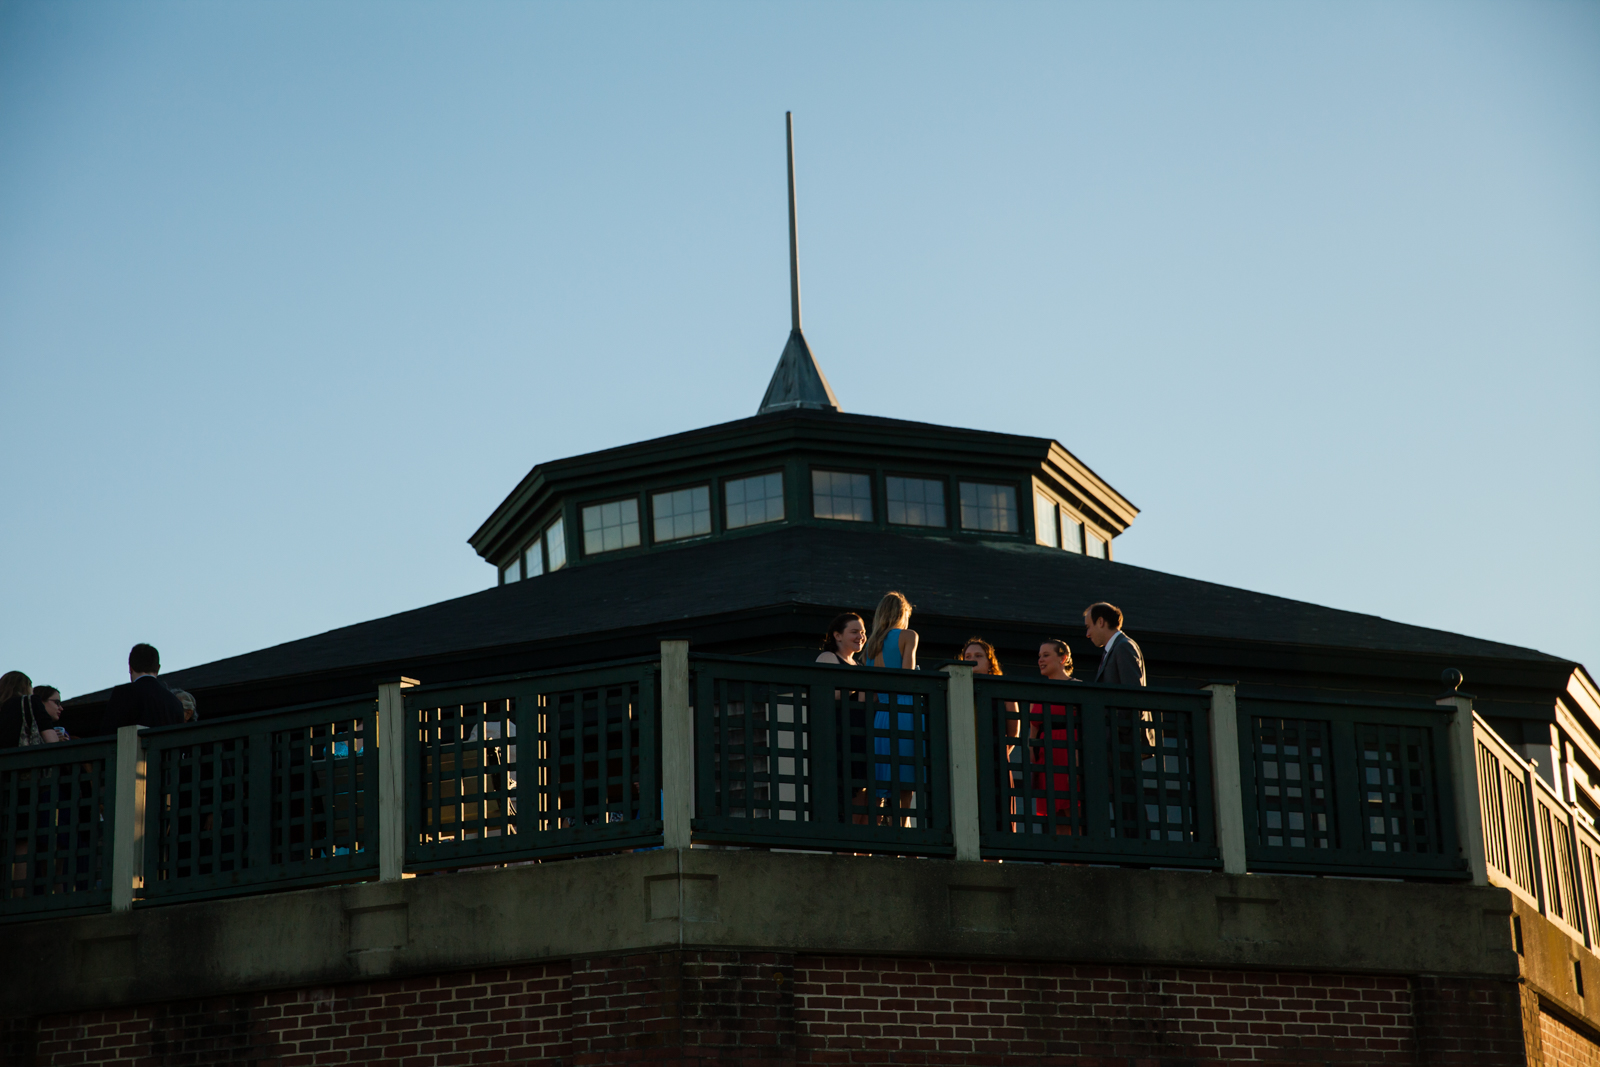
[(47, 705), (846, 634), (19, 715), (980, 654)]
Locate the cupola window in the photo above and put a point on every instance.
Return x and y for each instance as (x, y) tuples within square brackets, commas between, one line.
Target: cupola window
[(990, 508), (1045, 530), (915, 501), (608, 527), (555, 543), (533, 558), (753, 501), (681, 513), (1096, 546), (1071, 534), (513, 572), (838, 495)]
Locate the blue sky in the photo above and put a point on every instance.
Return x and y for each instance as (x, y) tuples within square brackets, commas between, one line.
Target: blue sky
[(292, 294)]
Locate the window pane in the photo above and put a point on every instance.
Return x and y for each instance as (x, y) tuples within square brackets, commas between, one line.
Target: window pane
[(514, 571), (681, 513), (1097, 547), (555, 539), (837, 495), (1071, 534), (1044, 520), (915, 501), (752, 501), (988, 507), (608, 527), (533, 559)]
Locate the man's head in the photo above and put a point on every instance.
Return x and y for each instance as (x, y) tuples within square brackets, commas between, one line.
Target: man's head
[(1100, 621), (1055, 660), (143, 659)]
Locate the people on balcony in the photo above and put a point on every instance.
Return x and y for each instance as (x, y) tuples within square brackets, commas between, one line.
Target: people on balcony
[(893, 643), (980, 654), (1055, 660), (23, 720), (846, 635), (144, 701), (1121, 661)]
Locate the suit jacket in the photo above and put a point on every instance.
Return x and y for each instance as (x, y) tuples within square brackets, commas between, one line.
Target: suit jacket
[(1123, 665), (142, 702)]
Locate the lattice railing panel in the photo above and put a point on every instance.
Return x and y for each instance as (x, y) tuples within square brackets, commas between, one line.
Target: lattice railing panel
[(1400, 810), (469, 770), (1293, 764), (762, 750), (200, 794), (1153, 793), (1041, 789), (56, 815)]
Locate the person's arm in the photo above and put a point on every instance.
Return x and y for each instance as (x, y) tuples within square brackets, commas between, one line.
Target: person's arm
[(908, 649)]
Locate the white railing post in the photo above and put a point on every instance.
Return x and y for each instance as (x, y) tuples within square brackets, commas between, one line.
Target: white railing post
[(1464, 778), (677, 746), (961, 712), (127, 831), (1227, 781), (392, 779)]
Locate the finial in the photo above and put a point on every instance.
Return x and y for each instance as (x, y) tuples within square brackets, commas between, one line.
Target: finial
[(1451, 678)]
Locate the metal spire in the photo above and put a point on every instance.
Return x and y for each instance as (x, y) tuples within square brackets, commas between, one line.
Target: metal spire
[(797, 382), (794, 232)]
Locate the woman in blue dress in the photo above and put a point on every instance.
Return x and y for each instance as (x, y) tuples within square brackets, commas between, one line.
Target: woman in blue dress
[(892, 643)]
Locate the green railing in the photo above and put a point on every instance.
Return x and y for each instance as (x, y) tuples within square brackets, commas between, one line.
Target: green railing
[(718, 751), (1332, 787), (1078, 772), (558, 763), (820, 757), (279, 799), (58, 809)]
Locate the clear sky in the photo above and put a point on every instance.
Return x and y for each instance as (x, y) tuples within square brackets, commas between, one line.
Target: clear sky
[(292, 294)]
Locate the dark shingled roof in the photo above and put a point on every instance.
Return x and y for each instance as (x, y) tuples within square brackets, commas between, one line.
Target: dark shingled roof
[(829, 568)]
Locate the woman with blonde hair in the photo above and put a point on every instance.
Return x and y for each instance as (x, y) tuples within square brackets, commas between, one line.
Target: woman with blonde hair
[(892, 643)]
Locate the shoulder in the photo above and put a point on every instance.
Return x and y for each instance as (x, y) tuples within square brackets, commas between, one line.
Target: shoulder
[(827, 657), (908, 636)]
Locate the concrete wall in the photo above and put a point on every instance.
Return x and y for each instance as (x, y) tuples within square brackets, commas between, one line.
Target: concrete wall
[(736, 900)]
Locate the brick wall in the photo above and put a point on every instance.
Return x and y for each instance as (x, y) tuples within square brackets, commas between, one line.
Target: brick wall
[(716, 1009), (485, 1017), (864, 1011), (1562, 1046)]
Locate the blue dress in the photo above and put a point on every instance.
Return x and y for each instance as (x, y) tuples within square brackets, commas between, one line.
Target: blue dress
[(891, 649)]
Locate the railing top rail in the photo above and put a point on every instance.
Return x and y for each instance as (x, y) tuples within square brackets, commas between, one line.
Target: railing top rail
[(935, 677), (1042, 685), (524, 676), (46, 755), (211, 729), (1353, 701)]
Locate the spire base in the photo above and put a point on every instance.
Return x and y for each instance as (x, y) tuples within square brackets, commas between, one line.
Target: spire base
[(798, 382)]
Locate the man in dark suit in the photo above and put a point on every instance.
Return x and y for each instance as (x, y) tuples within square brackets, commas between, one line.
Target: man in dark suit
[(144, 701), (1121, 662)]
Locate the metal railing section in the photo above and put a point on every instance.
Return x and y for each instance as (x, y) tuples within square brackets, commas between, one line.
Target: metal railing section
[(57, 809), (820, 756), (542, 765), (1340, 788), (1075, 771), (283, 798)]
